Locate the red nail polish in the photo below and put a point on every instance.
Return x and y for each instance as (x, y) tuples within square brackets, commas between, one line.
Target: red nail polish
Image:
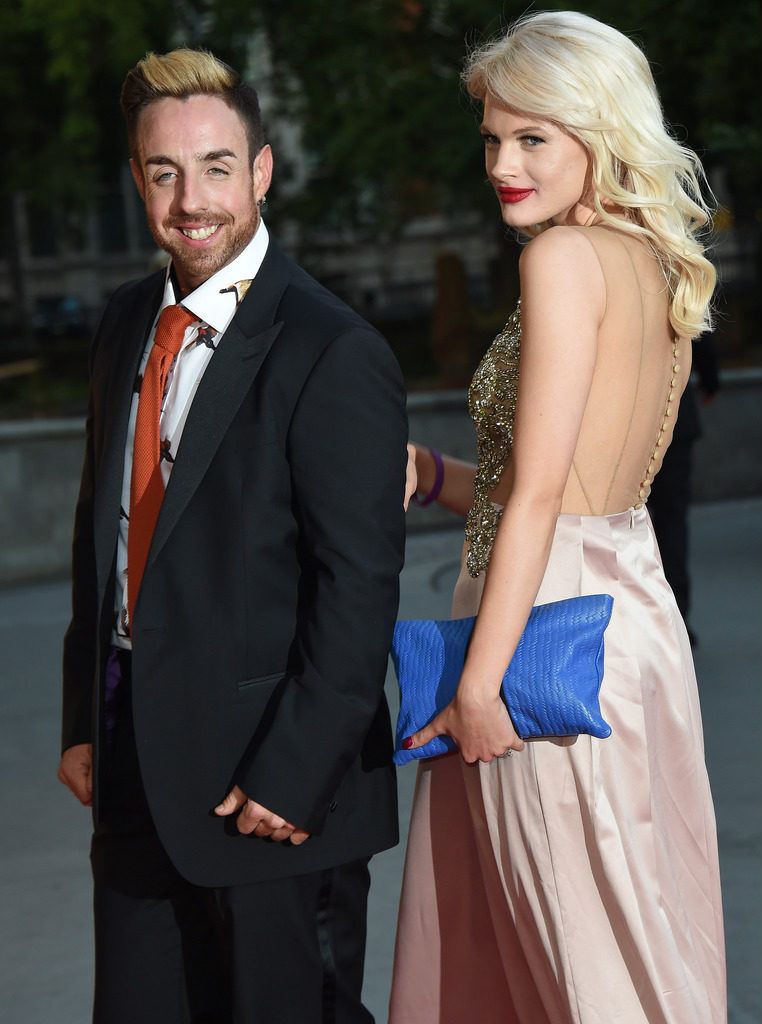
[(407, 744)]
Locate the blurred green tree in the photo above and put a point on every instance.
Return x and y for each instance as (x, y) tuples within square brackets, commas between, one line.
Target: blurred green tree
[(62, 83), (371, 84), (706, 62), (371, 88), (59, 92), (374, 87)]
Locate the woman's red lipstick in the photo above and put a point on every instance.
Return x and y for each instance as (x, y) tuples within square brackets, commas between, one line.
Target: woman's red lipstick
[(513, 195)]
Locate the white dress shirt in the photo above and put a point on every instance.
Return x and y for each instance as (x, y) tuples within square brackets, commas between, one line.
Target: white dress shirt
[(214, 303)]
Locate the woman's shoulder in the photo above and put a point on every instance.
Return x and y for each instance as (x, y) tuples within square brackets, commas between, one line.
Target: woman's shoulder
[(561, 257), (574, 240)]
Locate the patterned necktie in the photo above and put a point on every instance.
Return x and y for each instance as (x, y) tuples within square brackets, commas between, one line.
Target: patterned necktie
[(147, 485)]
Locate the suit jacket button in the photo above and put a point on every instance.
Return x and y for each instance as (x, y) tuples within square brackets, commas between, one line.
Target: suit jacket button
[(333, 806)]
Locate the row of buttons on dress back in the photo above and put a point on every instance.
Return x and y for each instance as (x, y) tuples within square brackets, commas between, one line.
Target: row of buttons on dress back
[(645, 485)]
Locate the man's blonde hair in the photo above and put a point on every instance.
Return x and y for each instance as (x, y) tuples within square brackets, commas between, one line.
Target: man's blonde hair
[(182, 73)]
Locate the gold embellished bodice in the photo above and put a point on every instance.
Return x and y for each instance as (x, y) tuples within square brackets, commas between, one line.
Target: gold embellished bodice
[(492, 404)]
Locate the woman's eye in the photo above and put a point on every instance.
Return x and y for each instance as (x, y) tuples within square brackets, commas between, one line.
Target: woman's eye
[(532, 140), (489, 139)]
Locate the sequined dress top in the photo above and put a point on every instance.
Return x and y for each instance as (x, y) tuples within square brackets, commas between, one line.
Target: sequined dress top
[(492, 405)]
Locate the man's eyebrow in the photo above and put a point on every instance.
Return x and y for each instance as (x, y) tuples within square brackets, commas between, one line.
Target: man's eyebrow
[(202, 158), (160, 159), (215, 154)]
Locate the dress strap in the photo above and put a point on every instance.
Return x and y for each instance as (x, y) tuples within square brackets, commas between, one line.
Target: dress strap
[(620, 455), (636, 392)]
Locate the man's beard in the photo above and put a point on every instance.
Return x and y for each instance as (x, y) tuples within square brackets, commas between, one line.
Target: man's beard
[(198, 265)]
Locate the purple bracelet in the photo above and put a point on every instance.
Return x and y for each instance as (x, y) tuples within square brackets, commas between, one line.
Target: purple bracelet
[(439, 473)]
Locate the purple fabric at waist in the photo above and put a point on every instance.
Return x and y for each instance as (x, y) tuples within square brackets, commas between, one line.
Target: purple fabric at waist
[(113, 685)]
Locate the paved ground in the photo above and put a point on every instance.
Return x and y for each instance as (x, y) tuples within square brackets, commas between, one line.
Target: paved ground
[(45, 971)]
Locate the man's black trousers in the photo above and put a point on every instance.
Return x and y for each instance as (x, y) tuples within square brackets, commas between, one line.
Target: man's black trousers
[(288, 951)]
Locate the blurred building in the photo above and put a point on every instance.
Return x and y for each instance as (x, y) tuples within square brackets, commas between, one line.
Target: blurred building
[(71, 266)]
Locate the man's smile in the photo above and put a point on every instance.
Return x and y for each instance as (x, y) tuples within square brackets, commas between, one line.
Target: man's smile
[(200, 233)]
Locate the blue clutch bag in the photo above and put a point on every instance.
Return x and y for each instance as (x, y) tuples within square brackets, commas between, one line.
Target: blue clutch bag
[(550, 688)]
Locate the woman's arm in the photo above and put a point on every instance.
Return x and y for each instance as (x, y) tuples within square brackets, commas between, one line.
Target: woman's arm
[(563, 302), (457, 491)]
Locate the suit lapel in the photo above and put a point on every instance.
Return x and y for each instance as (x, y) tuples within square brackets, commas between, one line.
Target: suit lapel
[(226, 382), (128, 349)]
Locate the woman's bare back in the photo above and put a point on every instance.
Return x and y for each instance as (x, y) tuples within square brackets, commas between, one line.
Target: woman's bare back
[(640, 372)]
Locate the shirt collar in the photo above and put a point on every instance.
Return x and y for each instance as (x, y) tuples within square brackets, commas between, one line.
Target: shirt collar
[(216, 300)]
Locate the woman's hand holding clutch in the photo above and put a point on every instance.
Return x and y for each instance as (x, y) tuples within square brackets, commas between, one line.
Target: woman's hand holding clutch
[(479, 724)]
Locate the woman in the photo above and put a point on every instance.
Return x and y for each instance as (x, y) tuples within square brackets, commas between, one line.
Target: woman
[(576, 880)]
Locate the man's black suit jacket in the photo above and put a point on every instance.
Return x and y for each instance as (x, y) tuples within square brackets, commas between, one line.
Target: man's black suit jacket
[(264, 619)]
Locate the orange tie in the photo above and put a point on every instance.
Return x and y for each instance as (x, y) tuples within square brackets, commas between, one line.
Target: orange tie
[(147, 485)]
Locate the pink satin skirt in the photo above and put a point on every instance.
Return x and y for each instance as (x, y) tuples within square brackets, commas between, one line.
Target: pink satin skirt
[(576, 881)]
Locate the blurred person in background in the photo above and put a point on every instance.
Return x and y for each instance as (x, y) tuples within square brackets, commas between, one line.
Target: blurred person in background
[(670, 496), (571, 879), (223, 702)]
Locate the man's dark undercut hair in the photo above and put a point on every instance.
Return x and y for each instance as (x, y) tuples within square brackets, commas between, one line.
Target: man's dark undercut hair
[(182, 73)]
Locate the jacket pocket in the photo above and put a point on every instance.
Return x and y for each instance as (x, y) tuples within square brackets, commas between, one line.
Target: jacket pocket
[(246, 685)]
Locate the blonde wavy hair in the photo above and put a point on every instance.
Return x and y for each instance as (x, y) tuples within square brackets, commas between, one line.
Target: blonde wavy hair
[(596, 84)]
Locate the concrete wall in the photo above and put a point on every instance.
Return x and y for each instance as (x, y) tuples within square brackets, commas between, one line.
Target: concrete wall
[(40, 464), (728, 457)]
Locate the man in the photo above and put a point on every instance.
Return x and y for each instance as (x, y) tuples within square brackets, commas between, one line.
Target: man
[(238, 540)]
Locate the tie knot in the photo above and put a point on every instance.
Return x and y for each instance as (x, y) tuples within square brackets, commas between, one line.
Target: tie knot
[(170, 329)]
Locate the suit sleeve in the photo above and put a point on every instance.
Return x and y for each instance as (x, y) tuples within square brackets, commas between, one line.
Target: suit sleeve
[(79, 648), (347, 449), (80, 638)]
